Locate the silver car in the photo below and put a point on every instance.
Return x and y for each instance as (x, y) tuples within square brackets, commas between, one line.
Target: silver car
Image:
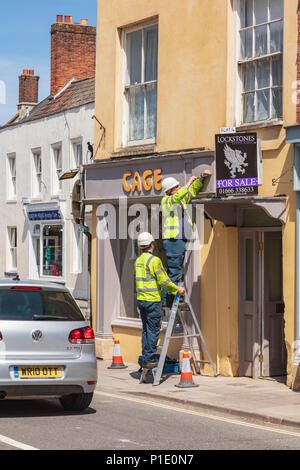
[(47, 349)]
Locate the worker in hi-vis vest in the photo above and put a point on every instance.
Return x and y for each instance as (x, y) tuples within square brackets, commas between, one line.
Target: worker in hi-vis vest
[(151, 278), (177, 224)]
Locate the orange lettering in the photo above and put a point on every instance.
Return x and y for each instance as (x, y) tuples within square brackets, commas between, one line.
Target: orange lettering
[(136, 183), (147, 180), (157, 179), (126, 187)]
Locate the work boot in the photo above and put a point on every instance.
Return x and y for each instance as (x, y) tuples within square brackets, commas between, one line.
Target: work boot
[(151, 364)]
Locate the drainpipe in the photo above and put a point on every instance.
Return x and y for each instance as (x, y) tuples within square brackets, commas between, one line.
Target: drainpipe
[(297, 352)]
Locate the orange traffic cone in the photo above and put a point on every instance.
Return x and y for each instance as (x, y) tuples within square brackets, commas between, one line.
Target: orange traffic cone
[(186, 378), (117, 360)]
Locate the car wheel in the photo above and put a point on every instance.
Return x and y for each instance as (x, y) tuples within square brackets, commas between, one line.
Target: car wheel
[(76, 402)]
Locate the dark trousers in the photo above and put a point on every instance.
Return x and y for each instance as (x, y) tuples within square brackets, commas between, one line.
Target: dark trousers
[(151, 316), (175, 252)]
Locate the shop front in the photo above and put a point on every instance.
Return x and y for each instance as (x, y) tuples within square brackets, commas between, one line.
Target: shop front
[(46, 228), (235, 287)]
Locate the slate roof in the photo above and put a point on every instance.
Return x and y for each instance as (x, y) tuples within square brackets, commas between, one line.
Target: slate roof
[(76, 94)]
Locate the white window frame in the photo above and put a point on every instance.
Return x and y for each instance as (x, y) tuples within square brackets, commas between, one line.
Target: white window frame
[(75, 144), (238, 80), (12, 250), (125, 87), (11, 177), (37, 172), (56, 183)]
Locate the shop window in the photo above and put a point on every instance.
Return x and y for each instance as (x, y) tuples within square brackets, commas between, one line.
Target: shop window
[(52, 243), (141, 52), (128, 253), (12, 254), (260, 59)]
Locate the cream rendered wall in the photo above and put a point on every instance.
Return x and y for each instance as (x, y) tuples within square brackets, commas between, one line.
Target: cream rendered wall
[(196, 96)]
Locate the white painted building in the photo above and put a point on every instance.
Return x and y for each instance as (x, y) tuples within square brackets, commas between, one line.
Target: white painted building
[(40, 239)]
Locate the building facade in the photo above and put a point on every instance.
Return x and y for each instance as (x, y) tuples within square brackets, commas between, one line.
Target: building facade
[(170, 77), (41, 239)]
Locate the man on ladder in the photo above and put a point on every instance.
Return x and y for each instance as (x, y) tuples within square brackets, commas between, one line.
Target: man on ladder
[(178, 225), (151, 278)]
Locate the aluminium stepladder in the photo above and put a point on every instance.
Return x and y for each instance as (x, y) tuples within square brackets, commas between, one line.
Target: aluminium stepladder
[(179, 308)]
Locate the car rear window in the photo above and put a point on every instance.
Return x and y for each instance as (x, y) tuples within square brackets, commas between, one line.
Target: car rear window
[(38, 305)]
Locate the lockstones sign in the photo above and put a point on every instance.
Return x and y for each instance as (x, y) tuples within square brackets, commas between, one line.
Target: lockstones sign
[(236, 164)]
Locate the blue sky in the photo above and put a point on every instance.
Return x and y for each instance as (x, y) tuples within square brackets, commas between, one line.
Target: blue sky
[(25, 42)]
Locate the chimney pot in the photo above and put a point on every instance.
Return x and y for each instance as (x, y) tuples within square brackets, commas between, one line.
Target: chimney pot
[(59, 19), (31, 72), (25, 72), (68, 19), (84, 21)]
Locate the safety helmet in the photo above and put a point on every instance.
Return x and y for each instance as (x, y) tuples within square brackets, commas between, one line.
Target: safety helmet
[(169, 183), (145, 239)]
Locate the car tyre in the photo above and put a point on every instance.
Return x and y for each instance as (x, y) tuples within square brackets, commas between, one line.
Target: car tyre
[(76, 402)]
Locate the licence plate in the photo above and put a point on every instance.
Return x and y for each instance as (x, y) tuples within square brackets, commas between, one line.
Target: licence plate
[(37, 372)]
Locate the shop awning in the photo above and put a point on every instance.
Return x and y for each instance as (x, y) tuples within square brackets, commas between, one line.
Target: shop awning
[(229, 210)]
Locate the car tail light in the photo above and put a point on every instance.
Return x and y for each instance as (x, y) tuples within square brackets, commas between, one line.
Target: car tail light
[(25, 288), (1, 337), (82, 336)]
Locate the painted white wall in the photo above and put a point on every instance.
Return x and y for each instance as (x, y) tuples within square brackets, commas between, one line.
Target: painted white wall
[(21, 139)]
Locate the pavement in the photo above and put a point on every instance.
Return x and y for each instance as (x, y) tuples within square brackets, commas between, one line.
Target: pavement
[(258, 400)]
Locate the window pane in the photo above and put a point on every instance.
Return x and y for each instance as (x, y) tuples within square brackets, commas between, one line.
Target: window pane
[(263, 73), (136, 113), (276, 37), (277, 103), (151, 103), (277, 70), (52, 250), (246, 13), (249, 76), (261, 11), (135, 57), (249, 107), (246, 44), (261, 40), (276, 9), (263, 105), (151, 50)]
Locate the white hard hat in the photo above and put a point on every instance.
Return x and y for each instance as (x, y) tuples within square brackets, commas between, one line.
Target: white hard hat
[(169, 183), (145, 239)]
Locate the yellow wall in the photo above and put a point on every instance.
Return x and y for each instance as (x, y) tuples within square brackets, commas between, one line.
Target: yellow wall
[(195, 96)]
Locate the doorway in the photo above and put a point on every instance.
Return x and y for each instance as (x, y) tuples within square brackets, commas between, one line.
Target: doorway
[(262, 348)]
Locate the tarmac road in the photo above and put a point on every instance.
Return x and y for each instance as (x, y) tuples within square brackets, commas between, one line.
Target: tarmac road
[(123, 422)]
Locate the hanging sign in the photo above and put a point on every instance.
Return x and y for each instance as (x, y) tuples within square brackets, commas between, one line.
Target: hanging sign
[(236, 164)]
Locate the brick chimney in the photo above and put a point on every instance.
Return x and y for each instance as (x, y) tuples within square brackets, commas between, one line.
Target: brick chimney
[(28, 91), (73, 51)]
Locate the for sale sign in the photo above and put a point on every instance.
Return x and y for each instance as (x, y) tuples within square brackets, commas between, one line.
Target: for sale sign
[(236, 164)]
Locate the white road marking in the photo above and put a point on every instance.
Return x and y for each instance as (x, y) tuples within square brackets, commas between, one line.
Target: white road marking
[(202, 415), (13, 443)]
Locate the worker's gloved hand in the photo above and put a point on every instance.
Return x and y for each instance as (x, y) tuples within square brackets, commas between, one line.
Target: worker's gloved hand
[(205, 174), (181, 291)]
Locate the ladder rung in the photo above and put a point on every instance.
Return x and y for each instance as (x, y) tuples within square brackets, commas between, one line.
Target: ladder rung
[(184, 336)]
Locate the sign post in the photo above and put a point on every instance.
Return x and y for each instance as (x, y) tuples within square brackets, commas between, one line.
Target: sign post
[(236, 164)]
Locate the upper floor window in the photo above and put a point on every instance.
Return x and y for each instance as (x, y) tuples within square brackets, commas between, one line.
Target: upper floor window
[(77, 154), (57, 169), (260, 59), (140, 87), (37, 173), (12, 177)]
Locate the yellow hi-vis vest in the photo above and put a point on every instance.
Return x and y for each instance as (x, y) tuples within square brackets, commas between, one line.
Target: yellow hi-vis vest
[(151, 278), (170, 209)]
